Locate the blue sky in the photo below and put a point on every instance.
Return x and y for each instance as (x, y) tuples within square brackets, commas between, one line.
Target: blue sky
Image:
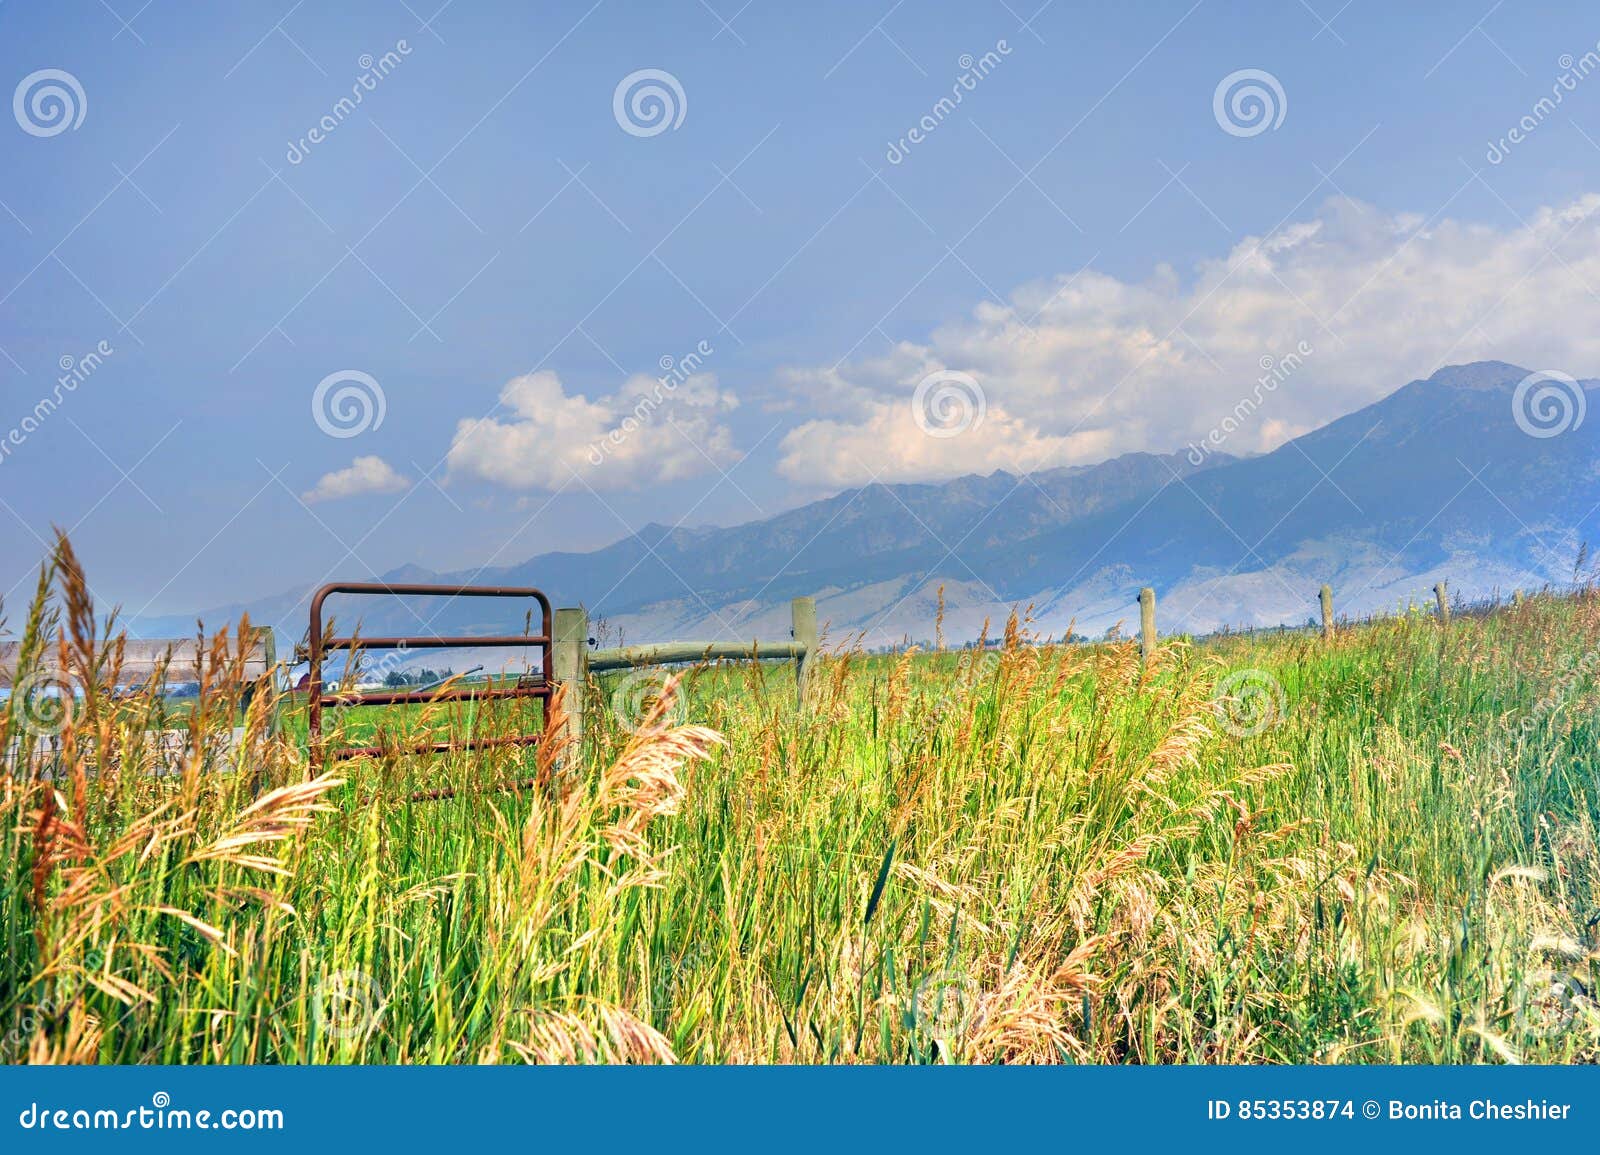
[(1081, 239)]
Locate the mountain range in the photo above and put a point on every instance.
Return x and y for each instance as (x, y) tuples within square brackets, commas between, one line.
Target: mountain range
[(1449, 477)]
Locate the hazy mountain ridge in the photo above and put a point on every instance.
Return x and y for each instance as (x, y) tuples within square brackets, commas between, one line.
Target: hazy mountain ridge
[(1436, 478)]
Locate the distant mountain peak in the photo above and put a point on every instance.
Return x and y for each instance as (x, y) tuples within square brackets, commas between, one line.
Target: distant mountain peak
[(409, 573), (1480, 375)]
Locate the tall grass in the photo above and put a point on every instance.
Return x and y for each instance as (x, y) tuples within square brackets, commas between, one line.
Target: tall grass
[(1379, 848)]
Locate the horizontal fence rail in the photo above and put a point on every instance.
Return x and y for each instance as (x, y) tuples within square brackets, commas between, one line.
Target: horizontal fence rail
[(574, 662), (467, 691), (527, 686), (435, 642), (677, 653)]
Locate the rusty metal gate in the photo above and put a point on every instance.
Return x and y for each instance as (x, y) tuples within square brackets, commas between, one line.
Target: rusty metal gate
[(526, 686)]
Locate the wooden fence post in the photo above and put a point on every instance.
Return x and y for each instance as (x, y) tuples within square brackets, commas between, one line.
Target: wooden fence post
[(571, 662), (269, 682), (803, 616), (1441, 594), (1326, 597), (1147, 624)]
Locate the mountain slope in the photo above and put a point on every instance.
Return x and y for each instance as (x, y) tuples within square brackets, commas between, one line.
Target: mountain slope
[(856, 536), (1437, 479)]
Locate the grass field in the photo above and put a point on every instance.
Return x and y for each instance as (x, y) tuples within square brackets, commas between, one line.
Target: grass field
[(1375, 849)]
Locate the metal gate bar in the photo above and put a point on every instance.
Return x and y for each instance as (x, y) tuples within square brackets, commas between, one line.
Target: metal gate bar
[(527, 686)]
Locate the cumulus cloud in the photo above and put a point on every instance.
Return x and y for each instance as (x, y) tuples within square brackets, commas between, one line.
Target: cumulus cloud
[(363, 475), (649, 431), (1082, 366)]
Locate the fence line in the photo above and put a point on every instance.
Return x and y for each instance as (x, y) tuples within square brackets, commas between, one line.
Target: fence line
[(574, 662), (1444, 609)]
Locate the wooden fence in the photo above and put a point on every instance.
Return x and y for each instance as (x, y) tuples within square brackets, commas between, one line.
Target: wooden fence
[(574, 661), (1441, 597)]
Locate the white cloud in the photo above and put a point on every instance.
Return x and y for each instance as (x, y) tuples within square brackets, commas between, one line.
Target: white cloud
[(363, 475), (1083, 366), (887, 443), (649, 431)]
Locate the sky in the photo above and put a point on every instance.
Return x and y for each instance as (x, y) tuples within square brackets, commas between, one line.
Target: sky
[(568, 269)]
